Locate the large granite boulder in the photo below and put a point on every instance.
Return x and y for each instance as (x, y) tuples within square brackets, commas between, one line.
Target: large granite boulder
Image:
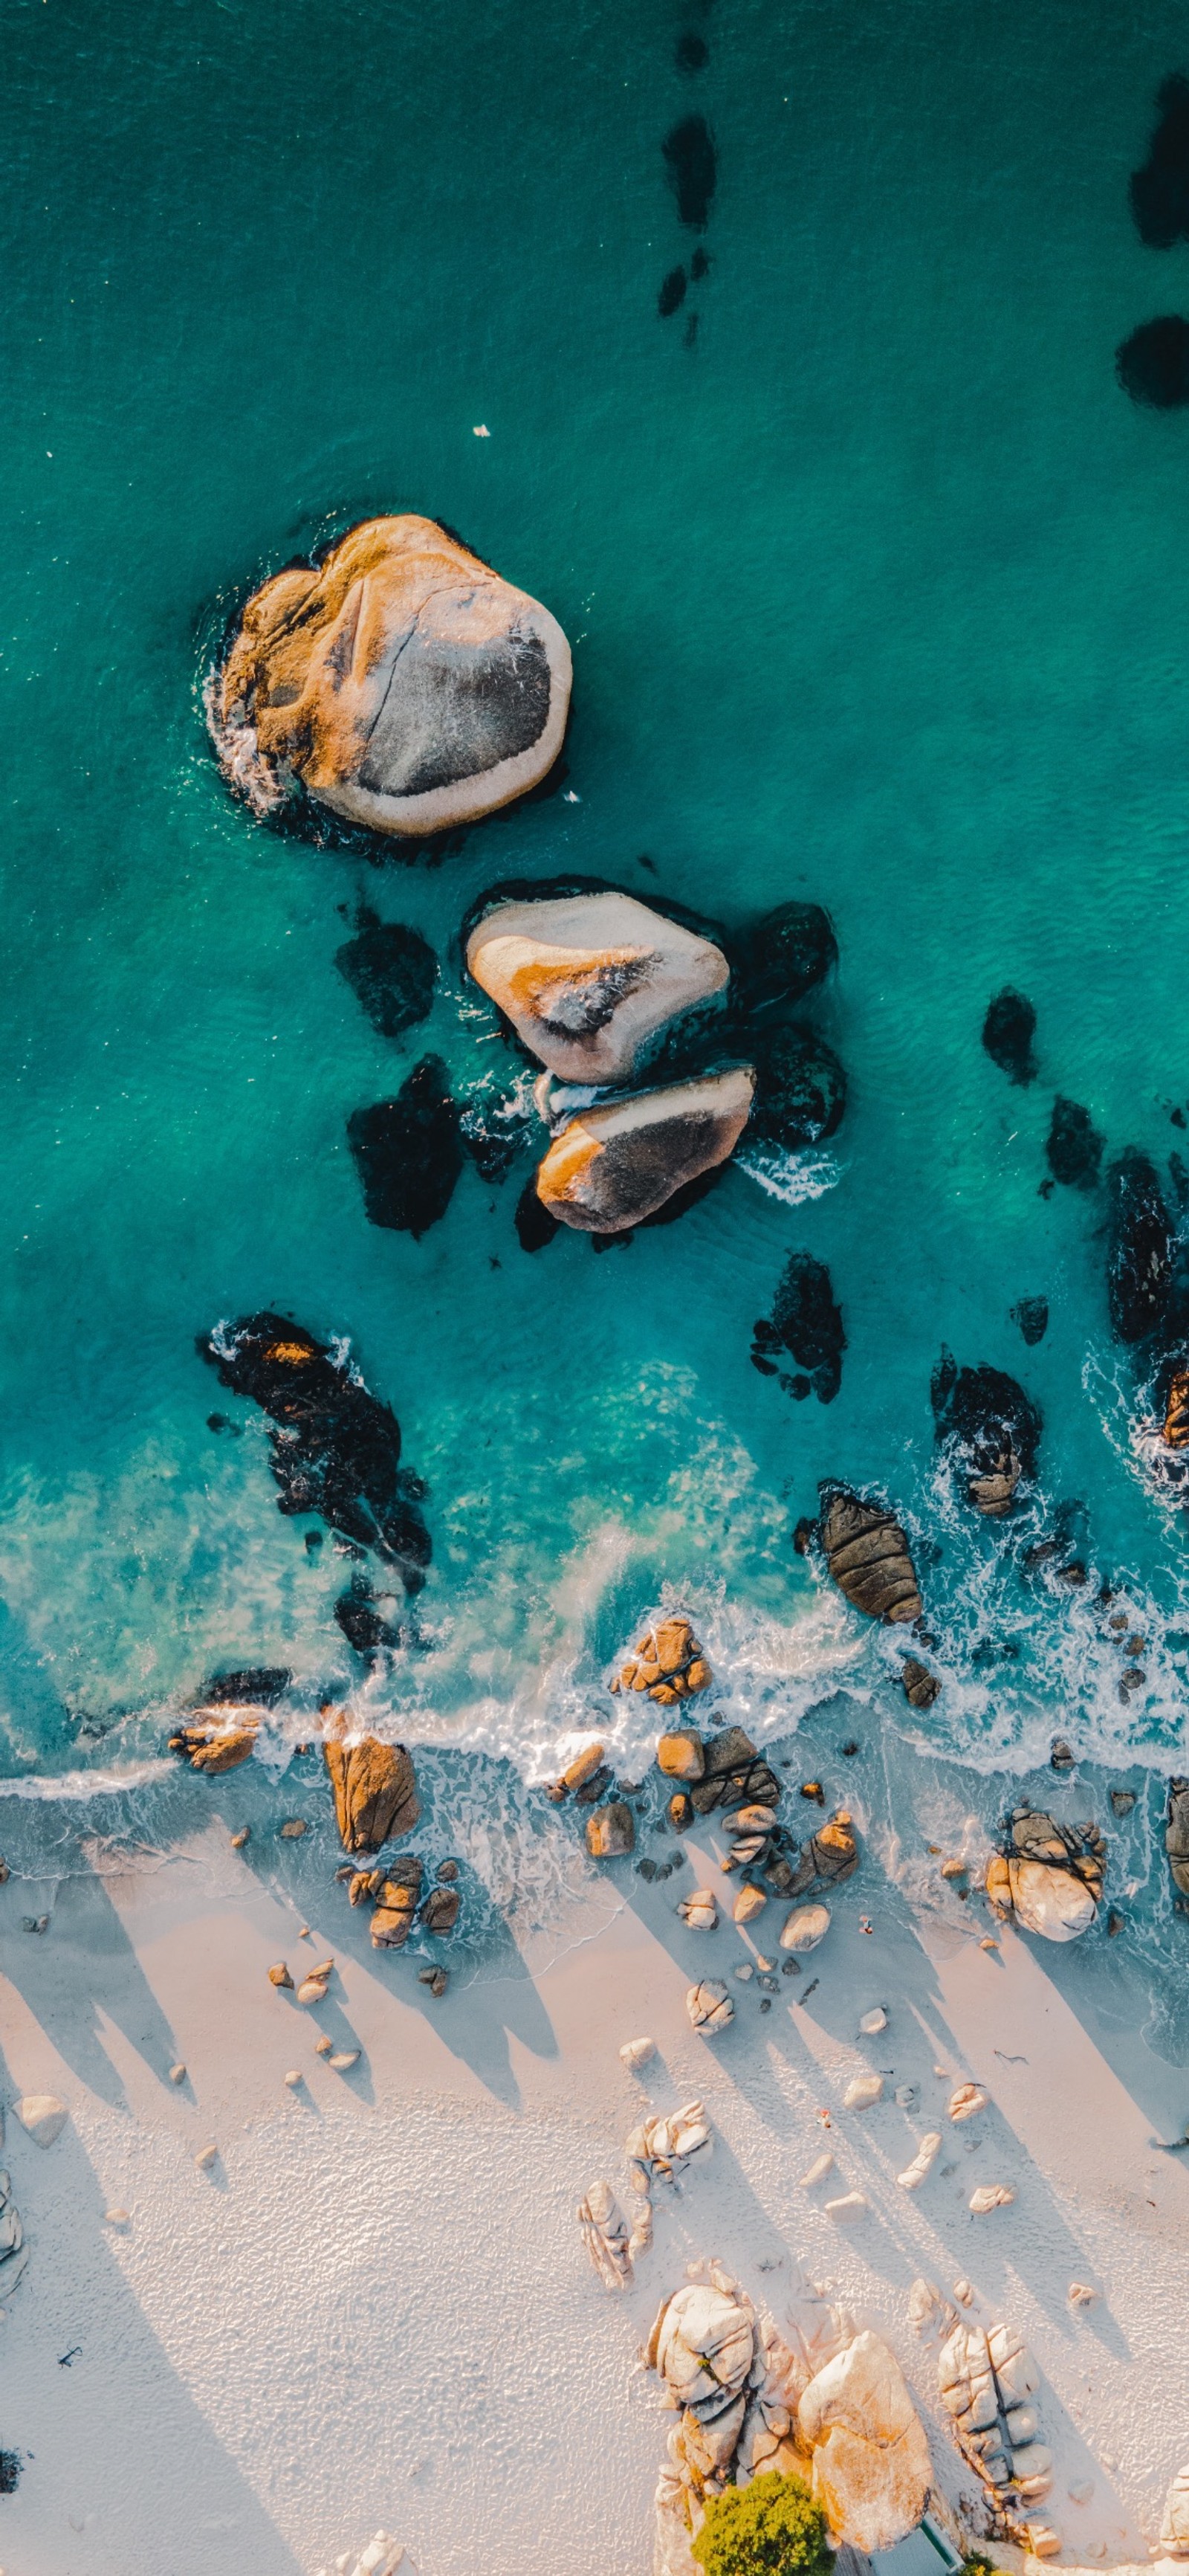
[(335, 1448), (992, 1428), (1176, 1834), (733, 1774), (867, 1554), (1048, 1876), (399, 681), (375, 1793), (987, 2379), (610, 1168), (585, 979), (871, 2468)]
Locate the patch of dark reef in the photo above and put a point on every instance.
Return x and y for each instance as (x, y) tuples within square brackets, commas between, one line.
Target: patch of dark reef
[(1153, 364), (1074, 1146), (805, 1321), (408, 1151), (691, 162), (1159, 193), (391, 970), (335, 1447), (1008, 1032)]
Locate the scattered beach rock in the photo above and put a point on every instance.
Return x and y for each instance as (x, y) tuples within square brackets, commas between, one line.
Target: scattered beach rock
[(991, 1428), (680, 1755), (585, 979), (611, 1831), (669, 1665), (656, 2147), (965, 2101), (612, 1167), (749, 1902), (851, 2205), (278, 1974), (217, 1739), (817, 2171), (709, 2007), (1176, 1834), (830, 1855), (868, 1556), (989, 2196), (343, 2059), (1074, 1147), (42, 2116), (293, 1829), (111, 2218), (1049, 1876), (312, 1990), (206, 2157), (871, 2023), (177, 2074), (577, 1773), (987, 2380), (437, 1980), (606, 2234), (636, 2053), (862, 2091), (240, 1840), (292, 2077), (335, 1448), (923, 2162), (396, 1897), (805, 1928), (1080, 2295), (871, 2466), (375, 1790), (399, 681), (382, 2557), (323, 2044), (439, 1914), (700, 1910), (921, 1687)]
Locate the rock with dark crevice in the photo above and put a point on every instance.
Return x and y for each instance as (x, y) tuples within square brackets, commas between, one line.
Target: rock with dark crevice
[(868, 1555), (800, 1092), (374, 1787), (992, 1427), (335, 1447), (733, 1774), (921, 1687), (408, 1152)]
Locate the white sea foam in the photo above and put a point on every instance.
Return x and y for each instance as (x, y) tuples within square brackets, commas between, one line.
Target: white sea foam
[(792, 1178)]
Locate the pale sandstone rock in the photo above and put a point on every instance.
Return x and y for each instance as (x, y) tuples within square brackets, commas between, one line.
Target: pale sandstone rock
[(989, 2196), (1174, 2529), (292, 2077), (1049, 1876), (862, 2091), (966, 2101), (205, 2158), (923, 2162), (312, 1990), (987, 2380), (871, 2467), (401, 682), (323, 2044), (821, 2166), (612, 1167), (851, 2205), (749, 1902), (343, 2059), (709, 2007), (873, 2022), (700, 1910), (805, 1928), (42, 2116), (177, 2074), (605, 2234), (293, 1829), (375, 1791), (1080, 2294), (586, 978), (636, 2053), (278, 1974)]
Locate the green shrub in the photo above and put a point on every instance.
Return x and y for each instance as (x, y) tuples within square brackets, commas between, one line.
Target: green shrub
[(771, 2528)]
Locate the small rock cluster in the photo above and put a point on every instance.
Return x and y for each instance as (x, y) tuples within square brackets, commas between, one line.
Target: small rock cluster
[(217, 1739), (987, 2379), (381, 2557), (395, 1893), (1048, 1876), (669, 1664), (657, 2150)]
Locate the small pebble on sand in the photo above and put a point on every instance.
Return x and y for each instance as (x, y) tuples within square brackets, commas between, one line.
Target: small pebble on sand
[(278, 1975), (177, 2074), (292, 2077), (873, 2022), (312, 1990), (115, 2217), (745, 1971), (243, 1836), (205, 2158), (292, 1828), (988, 1944), (989, 2196), (323, 2046), (348, 2057), (821, 2166), (636, 2053), (862, 2092), (1081, 2295)]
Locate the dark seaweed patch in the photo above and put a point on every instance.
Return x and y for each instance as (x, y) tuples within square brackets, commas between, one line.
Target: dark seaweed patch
[(1153, 365), (699, 266), (692, 165), (1159, 192), (1008, 1032), (693, 53), (1074, 1147), (407, 1151), (11, 2465), (391, 970), (672, 294), (805, 1321), (1032, 1316)]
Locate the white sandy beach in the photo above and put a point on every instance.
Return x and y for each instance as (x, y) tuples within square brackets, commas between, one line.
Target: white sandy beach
[(376, 2310)]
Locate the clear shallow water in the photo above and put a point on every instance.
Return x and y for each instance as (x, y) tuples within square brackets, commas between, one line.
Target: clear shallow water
[(876, 597)]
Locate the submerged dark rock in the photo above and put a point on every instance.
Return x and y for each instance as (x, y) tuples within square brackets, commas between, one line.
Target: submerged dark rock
[(993, 1427), (1008, 1032), (672, 293), (1032, 1316), (407, 1151), (1153, 364), (365, 1630), (263, 1683), (391, 970), (800, 1091), (1159, 192), (1140, 1249), (805, 1321), (692, 165), (921, 1687), (1074, 1147), (335, 1448), (693, 53), (535, 1226), (783, 956), (868, 1555)]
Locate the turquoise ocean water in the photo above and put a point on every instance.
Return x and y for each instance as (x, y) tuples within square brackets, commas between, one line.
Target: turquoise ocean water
[(876, 588)]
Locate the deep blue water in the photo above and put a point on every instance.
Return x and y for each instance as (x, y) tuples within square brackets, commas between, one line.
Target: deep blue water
[(876, 592)]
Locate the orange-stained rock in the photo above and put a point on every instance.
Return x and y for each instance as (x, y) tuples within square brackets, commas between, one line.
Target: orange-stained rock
[(681, 1755), (217, 1739), (610, 1168), (585, 979), (871, 2466), (375, 1793), (396, 1904), (669, 1664), (1176, 1414), (400, 681)]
